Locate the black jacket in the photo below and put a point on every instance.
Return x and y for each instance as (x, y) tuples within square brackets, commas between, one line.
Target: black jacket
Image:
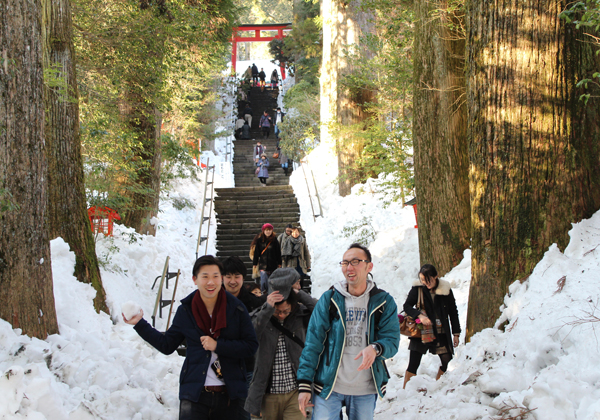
[(444, 307), (246, 131), (271, 258), (250, 300), (254, 69), (236, 342), (247, 111), (262, 75)]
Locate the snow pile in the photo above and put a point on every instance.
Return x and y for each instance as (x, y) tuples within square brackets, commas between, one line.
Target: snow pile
[(546, 362)]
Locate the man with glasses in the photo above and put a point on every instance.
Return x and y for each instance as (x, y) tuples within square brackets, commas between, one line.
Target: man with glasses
[(280, 328), (353, 329)]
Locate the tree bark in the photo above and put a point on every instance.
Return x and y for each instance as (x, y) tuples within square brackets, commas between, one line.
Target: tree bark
[(534, 147), (67, 209), (26, 289), (344, 24), (440, 136), (145, 120)]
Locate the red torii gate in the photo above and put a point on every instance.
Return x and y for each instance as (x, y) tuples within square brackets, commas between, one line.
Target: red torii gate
[(280, 27)]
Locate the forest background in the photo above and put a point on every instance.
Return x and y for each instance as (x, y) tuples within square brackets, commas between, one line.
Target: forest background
[(487, 113)]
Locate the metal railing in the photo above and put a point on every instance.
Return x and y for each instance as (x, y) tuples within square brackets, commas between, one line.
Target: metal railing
[(316, 193), (205, 200), (160, 302)]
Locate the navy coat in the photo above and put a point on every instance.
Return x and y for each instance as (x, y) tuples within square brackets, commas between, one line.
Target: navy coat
[(236, 342)]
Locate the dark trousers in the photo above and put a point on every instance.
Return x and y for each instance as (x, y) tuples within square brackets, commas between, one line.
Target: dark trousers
[(265, 131), (211, 406)]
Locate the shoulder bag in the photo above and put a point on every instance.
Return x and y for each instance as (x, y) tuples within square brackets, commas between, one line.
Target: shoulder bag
[(408, 326)]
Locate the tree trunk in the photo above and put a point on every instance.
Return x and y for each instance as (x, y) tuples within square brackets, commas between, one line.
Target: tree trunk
[(26, 289), (343, 25), (67, 209), (534, 147), (145, 120), (440, 136)]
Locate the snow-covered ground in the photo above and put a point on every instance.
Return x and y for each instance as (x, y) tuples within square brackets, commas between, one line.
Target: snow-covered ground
[(546, 361)]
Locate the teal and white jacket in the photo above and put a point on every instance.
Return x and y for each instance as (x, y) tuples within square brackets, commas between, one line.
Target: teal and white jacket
[(326, 337)]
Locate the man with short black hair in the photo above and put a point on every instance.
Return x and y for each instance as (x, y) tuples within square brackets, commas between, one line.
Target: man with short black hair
[(235, 272), (219, 336), (353, 329)]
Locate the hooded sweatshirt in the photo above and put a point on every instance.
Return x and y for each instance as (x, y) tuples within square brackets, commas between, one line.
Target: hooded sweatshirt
[(351, 381)]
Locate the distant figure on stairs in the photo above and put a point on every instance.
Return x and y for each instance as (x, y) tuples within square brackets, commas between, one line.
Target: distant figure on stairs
[(248, 75), (294, 253), (245, 131), (278, 120), (274, 79), (262, 171), (267, 254), (265, 124), (286, 234), (254, 75), (259, 149), (248, 114), (262, 75)]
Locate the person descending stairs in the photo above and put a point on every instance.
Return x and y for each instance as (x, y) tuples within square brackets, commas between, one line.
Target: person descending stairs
[(241, 211)]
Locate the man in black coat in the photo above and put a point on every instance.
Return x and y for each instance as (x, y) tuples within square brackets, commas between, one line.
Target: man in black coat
[(248, 114), (235, 272), (254, 74)]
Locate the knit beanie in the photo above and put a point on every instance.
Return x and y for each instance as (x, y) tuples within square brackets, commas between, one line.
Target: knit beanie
[(267, 226), (282, 279)]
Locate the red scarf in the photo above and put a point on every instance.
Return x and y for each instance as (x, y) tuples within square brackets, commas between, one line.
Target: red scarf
[(211, 326)]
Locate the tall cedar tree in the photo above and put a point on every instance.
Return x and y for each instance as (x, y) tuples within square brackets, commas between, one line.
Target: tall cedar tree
[(338, 105), (534, 146), (26, 289), (440, 135), (67, 213), (135, 47)]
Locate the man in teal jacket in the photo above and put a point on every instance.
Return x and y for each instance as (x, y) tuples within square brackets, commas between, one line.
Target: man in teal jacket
[(353, 329)]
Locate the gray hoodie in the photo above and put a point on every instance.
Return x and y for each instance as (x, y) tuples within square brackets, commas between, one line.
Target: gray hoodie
[(351, 381)]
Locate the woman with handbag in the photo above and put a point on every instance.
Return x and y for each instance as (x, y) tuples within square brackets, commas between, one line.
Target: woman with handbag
[(267, 255), (435, 305), (262, 170)]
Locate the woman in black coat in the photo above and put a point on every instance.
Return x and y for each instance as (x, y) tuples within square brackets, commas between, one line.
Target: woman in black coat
[(438, 306), (267, 254)]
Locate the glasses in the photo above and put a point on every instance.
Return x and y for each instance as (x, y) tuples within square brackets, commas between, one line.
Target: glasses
[(289, 311), (353, 262)]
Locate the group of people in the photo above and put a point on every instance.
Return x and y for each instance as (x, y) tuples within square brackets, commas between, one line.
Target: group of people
[(261, 161), (258, 78), (244, 123), (282, 353), (269, 252)]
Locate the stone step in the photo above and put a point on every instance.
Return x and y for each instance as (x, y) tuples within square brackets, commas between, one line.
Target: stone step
[(232, 233), (255, 213), (251, 223), (232, 208), (258, 197), (263, 193), (235, 191)]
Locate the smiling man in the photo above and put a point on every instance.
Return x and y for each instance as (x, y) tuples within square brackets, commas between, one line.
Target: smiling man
[(219, 335), (234, 273), (353, 329)]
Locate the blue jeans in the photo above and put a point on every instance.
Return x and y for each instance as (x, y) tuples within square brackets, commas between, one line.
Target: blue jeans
[(277, 131), (264, 281), (358, 407)]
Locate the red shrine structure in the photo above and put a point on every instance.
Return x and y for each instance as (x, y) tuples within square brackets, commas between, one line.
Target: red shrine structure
[(257, 37)]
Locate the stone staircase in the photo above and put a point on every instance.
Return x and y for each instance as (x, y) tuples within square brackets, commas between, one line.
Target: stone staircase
[(241, 211)]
